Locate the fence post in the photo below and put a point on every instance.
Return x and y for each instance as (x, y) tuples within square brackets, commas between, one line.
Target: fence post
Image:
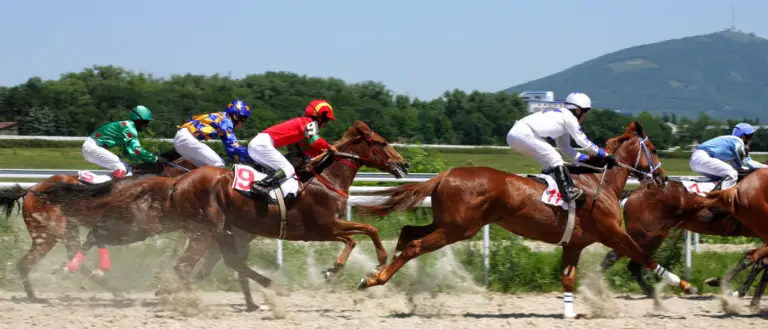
[(486, 249), (687, 255), (280, 252)]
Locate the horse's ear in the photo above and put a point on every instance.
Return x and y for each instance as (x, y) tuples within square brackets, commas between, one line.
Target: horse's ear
[(362, 128), (639, 128)]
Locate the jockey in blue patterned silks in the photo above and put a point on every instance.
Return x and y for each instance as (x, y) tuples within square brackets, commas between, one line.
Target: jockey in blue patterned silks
[(220, 125), (722, 157)]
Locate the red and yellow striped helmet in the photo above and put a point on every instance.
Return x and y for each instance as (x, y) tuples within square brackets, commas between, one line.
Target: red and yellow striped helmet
[(319, 107)]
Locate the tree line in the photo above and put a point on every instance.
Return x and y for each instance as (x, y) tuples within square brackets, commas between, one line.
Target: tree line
[(79, 102)]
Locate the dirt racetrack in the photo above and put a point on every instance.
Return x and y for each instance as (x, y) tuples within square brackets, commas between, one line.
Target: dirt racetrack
[(372, 309)]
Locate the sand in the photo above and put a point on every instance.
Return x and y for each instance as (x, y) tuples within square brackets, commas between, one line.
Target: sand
[(376, 308)]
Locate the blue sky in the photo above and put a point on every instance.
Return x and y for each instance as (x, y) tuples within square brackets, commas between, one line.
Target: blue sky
[(421, 48)]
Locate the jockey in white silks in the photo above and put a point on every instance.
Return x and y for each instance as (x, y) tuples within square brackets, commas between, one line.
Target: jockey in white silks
[(721, 157), (528, 136)]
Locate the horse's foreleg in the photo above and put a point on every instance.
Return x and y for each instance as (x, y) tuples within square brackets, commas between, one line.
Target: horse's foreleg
[(341, 260), (613, 236), (610, 259), (91, 240), (343, 227), (198, 244), (72, 244), (235, 258), (433, 241), (570, 259), (755, 303)]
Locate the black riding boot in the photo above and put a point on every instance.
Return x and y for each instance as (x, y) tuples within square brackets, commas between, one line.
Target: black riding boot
[(565, 184), (263, 186)]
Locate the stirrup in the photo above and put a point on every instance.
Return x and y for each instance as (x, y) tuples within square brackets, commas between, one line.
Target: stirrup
[(573, 193)]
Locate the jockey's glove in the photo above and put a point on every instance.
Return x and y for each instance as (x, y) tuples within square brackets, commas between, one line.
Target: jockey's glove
[(611, 161), (161, 161)]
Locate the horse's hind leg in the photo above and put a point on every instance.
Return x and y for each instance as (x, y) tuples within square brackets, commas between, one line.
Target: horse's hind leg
[(41, 245), (235, 258), (409, 233), (570, 260), (610, 259)]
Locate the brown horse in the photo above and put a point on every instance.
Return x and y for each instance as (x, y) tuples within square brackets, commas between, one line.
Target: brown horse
[(205, 206), (651, 212), (467, 198), (748, 202), (47, 225)]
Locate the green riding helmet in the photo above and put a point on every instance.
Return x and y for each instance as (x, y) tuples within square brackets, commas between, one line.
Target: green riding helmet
[(140, 112)]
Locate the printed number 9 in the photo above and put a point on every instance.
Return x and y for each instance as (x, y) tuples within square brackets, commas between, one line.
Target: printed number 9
[(245, 178), (311, 129)]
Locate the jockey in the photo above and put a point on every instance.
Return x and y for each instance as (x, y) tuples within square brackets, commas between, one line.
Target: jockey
[(124, 134), (722, 156), (304, 131), (528, 136), (220, 125)]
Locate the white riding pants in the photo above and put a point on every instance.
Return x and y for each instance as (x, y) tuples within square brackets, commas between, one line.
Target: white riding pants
[(102, 157), (196, 151), (522, 139), (704, 164), (262, 150)]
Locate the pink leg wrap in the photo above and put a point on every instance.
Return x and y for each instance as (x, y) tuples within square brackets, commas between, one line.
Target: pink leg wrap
[(104, 259), (74, 264)]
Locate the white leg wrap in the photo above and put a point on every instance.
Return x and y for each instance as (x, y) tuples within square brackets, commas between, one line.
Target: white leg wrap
[(667, 276), (568, 305)]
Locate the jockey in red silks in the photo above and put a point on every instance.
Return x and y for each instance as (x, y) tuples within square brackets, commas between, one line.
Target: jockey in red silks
[(303, 131)]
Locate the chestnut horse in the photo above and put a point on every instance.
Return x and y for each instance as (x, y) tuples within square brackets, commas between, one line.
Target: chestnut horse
[(204, 205), (651, 212), (47, 225), (748, 202), (465, 199)]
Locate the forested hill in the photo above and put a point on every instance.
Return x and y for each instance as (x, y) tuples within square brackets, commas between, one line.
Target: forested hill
[(724, 74)]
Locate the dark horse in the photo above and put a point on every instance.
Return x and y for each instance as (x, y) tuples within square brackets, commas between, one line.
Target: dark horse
[(47, 225), (651, 213), (205, 207), (465, 199)]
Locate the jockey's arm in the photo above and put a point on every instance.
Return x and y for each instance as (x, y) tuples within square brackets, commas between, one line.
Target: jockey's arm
[(316, 143), (564, 144), (132, 148), (232, 147), (575, 131)]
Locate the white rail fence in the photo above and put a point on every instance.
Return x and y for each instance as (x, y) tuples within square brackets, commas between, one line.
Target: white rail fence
[(170, 140)]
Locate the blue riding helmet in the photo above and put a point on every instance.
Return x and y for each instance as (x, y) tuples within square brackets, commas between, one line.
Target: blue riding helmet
[(239, 108), (743, 129)]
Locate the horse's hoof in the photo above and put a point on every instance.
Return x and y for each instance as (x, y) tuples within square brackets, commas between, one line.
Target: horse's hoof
[(363, 284), (118, 294), (251, 308), (712, 282), (691, 290), (97, 273)]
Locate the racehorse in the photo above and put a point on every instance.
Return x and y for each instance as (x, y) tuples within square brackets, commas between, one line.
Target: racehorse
[(47, 225), (464, 199), (205, 205), (748, 202), (651, 212)]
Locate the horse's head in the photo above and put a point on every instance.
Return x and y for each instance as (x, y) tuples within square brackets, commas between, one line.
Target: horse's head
[(372, 150), (634, 148), (177, 166)]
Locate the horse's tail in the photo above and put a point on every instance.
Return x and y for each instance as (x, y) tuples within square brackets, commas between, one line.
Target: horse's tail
[(60, 193), (726, 199), (10, 198), (402, 197)]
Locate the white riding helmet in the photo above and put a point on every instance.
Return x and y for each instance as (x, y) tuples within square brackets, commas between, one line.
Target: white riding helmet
[(579, 100)]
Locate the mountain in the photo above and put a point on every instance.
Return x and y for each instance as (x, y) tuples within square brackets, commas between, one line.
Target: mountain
[(724, 74)]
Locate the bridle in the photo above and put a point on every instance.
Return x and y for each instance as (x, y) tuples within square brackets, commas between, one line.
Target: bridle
[(355, 161)]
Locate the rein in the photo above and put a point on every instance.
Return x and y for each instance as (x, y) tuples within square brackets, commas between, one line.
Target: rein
[(342, 158)]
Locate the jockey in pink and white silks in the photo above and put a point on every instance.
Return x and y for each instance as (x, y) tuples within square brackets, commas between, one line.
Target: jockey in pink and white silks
[(528, 135), (722, 157)]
